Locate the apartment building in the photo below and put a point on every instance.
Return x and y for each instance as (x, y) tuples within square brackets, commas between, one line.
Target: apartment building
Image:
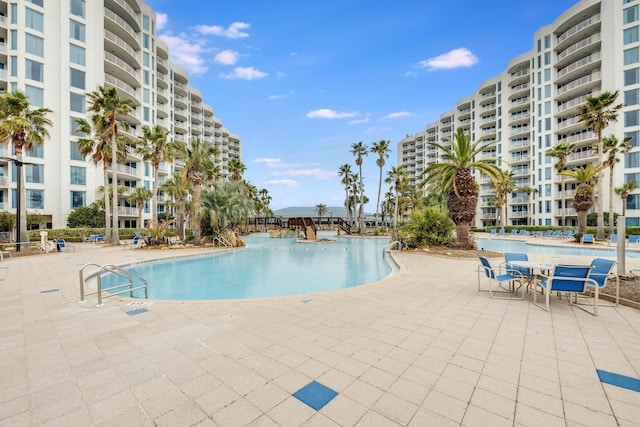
[(533, 105), (56, 51)]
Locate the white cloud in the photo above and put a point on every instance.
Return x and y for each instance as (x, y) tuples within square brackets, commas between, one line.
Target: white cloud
[(314, 173), (276, 163), (267, 160), (186, 53), (397, 115), (358, 121), (161, 21), (377, 129), (282, 183), (226, 57), (234, 31), (281, 96), (461, 57), (245, 73), (325, 113)]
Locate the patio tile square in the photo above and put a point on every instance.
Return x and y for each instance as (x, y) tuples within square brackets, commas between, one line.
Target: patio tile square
[(315, 395)]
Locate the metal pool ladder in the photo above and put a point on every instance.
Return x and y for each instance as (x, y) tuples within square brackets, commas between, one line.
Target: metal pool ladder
[(111, 269)]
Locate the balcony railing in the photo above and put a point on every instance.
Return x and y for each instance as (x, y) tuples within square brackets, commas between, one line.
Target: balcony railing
[(578, 82), (579, 26), (519, 74), (582, 43), (580, 63), (118, 41)]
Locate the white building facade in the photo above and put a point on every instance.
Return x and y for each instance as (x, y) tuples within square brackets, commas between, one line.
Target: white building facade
[(56, 51), (524, 111)]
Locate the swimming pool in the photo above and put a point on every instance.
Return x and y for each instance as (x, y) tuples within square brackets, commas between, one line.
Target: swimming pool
[(267, 267), (508, 245)]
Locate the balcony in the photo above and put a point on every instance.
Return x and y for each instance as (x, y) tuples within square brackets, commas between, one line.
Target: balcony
[(127, 90), (120, 69), (518, 130), (520, 76), (570, 124), (117, 44), (122, 29), (180, 113), (519, 144), (571, 105), (578, 137), (521, 89), (584, 46), (568, 35), (522, 116), (180, 101), (581, 65), (126, 170), (180, 88), (127, 211), (580, 156), (161, 65), (580, 85)]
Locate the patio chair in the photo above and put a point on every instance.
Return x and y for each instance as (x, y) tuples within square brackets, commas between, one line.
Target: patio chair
[(548, 233), (567, 234), (493, 232), (601, 270), (62, 245), (568, 279), (501, 232), (556, 234), (514, 232), (587, 238), (499, 277), (524, 232), (613, 240), (517, 256), (634, 238), (137, 242)]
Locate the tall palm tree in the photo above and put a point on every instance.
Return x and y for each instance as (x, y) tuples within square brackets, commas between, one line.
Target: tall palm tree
[(612, 147), (387, 206), (199, 169), (382, 148), (138, 197), (344, 171), (598, 112), (228, 206), (155, 148), (26, 127), (265, 201), (624, 191), (454, 175), (561, 152), (398, 178), (108, 105), (354, 197), (437, 199), (583, 198), (359, 150), (236, 169), (178, 189), (529, 191), (321, 209), (99, 148), (504, 186)]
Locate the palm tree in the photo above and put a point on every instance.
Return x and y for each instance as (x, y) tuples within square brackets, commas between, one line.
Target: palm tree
[(352, 204), (228, 206), (624, 191), (454, 175), (345, 172), (504, 185), (155, 148), (236, 168), (199, 169), (612, 147), (561, 152), (382, 149), (359, 150), (583, 198), (598, 112), (107, 104), (529, 190), (138, 197), (265, 201), (321, 209), (397, 176), (387, 206), (437, 199), (178, 189), (26, 127)]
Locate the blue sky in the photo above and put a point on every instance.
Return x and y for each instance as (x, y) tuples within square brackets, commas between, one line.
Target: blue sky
[(301, 81)]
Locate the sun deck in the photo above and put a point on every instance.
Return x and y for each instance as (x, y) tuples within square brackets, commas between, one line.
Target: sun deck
[(421, 348)]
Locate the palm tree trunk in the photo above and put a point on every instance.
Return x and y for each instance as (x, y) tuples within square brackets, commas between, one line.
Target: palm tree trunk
[(361, 210), (22, 235), (395, 213), (196, 213), (600, 229), (463, 237), (115, 239), (611, 212), (181, 219), (582, 222), (564, 225), (378, 201), (140, 215), (107, 204), (154, 202)]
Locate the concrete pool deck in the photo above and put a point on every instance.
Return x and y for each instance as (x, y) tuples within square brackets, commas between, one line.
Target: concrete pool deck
[(421, 348)]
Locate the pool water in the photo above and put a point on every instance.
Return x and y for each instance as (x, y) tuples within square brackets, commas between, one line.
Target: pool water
[(507, 245), (267, 267)]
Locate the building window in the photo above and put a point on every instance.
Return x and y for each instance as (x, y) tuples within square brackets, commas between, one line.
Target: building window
[(37, 150), (633, 201), (14, 13), (35, 20), (145, 59), (14, 66), (635, 139), (74, 151), (631, 56), (547, 42), (78, 175), (547, 58), (628, 177), (77, 7), (630, 35), (35, 199), (145, 41), (32, 173), (77, 54), (631, 77), (37, 2), (630, 15), (77, 103), (34, 70), (77, 78), (633, 222), (78, 199), (547, 74), (35, 95), (145, 22), (76, 30), (632, 118), (632, 160), (34, 44), (631, 97), (14, 39)]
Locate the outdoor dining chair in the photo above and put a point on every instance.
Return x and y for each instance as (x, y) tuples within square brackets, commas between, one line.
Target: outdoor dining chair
[(499, 277), (568, 279), (601, 270)]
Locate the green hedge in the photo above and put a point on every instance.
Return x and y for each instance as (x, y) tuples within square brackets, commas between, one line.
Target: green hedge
[(78, 234), (535, 228)]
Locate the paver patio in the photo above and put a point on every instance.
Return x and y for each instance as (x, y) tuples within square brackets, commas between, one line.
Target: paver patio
[(421, 348)]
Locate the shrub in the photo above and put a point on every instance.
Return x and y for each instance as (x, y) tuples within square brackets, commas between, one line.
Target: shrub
[(428, 227), (86, 216)]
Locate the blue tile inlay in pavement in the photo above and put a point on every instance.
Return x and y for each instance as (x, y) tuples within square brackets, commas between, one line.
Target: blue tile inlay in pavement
[(618, 380), (46, 291), (137, 311), (315, 395)]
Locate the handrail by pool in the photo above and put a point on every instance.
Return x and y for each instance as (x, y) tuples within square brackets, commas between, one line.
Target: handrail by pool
[(113, 269)]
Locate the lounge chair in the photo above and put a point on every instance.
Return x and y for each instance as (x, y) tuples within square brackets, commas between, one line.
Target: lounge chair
[(587, 238), (548, 233), (514, 232), (613, 240), (136, 243), (567, 234), (556, 234), (568, 279), (501, 232), (524, 232), (493, 232), (62, 245), (634, 238), (499, 277)]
